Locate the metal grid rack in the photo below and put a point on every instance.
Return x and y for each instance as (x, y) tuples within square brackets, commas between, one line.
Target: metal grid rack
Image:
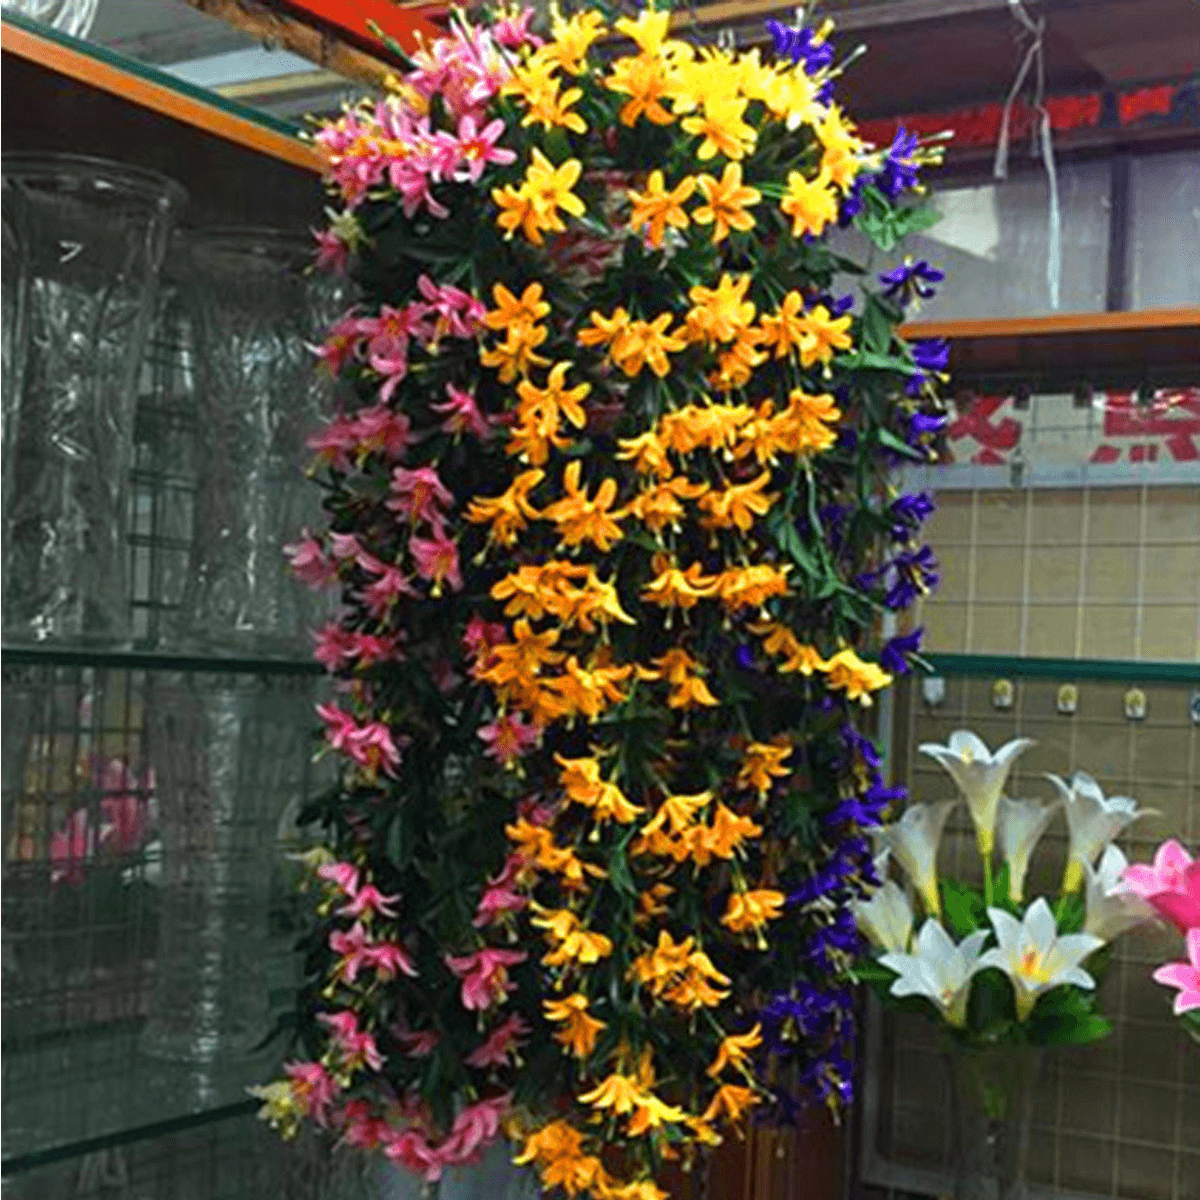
[(148, 811)]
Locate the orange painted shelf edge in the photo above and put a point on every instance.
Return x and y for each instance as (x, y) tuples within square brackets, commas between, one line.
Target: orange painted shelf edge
[(1102, 322), (158, 97)]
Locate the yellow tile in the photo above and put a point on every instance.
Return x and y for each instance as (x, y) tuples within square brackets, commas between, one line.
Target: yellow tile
[(1173, 514), (1110, 572), (1108, 632), (1171, 633), (995, 629), (1054, 573), (945, 628), (999, 573), (1160, 752), (1000, 517), (951, 523), (1172, 573), (1057, 517), (1114, 515), (1102, 749), (1050, 630), (953, 567)]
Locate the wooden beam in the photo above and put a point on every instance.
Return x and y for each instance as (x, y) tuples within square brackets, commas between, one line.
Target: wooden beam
[(170, 98), (1100, 322), (278, 29)]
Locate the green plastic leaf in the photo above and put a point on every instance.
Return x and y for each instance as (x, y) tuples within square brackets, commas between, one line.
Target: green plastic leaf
[(963, 909)]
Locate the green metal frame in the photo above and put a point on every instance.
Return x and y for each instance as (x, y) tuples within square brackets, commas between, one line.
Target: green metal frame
[(1064, 668)]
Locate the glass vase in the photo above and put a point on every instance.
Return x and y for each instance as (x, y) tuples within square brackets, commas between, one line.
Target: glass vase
[(255, 313), (230, 753), (992, 1091), (94, 234)]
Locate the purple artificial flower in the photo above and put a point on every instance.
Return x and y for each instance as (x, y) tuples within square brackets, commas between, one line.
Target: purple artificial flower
[(852, 202), (838, 306), (924, 427), (899, 173), (931, 357), (801, 46), (908, 513), (893, 658), (911, 281), (744, 657), (912, 573)]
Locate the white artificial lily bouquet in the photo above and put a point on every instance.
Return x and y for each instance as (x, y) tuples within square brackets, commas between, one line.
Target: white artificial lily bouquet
[(987, 964)]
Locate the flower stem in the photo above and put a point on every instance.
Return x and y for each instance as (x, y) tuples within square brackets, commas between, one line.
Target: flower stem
[(988, 883)]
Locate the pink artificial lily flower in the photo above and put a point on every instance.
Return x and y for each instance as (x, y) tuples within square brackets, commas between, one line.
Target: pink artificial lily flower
[(1184, 975), (419, 495), (370, 648), (342, 874), (462, 414), (484, 976), (313, 1088), (373, 747), (480, 635), (418, 1043), (477, 148), (504, 1040), (388, 959), (357, 1046), (332, 252), (340, 726), (436, 559), (368, 899), (332, 645), (346, 546), (1171, 884), (509, 737), (385, 591), (496, 901), (380, 430), (309, 562), (360, 1126)]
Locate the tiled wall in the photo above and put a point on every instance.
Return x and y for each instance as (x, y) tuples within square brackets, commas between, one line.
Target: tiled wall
[(1109, 573), (1121, 1118)]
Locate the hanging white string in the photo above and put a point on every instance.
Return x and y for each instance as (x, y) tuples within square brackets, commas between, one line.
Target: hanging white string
[(1043, 140)]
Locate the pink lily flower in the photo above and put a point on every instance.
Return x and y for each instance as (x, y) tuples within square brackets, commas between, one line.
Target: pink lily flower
[(436, 559), (343, 874), (370, 648), (372, 746), (509, 737), (418, 1043), (367, 899), (480, 635), (462, 414), (333, 645), (358, 1047), (385, 591), (332, 252), (1184, 975), (309, 562), (313, 1088), (477, 148), (412, 1151), (388, 958), (495, 903), (340, 344), (418, 495), (459, 314), (334, 443), (512, 30), (380, 430), (1171, 884), (474, 1129), (484, 976), (352, 946), (340, 726), (360, 1127), (504, 1040)]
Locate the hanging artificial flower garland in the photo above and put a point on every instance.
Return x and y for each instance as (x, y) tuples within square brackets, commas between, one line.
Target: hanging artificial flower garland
[(609, 518)]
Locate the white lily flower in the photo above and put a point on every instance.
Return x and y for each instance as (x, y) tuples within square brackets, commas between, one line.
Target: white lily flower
[(1021, 825), (980, 776), (1033, 955), (939, 969), (1092, 822), (886, 920), (914, 841), (1110, 909)]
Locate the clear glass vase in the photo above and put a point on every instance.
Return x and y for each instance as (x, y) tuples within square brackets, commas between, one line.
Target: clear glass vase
[(992, 1091), (230, 753), (94, 234), (255, 313)]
